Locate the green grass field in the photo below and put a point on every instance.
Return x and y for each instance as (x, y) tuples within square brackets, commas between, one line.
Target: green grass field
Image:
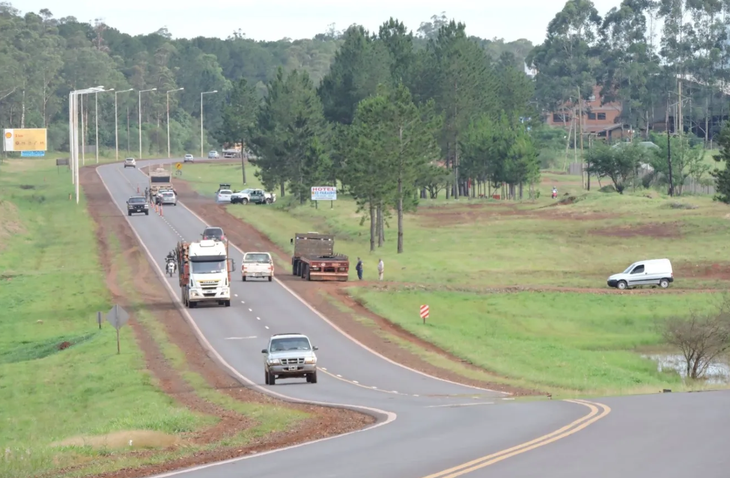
[(474, 245), (52, 285)]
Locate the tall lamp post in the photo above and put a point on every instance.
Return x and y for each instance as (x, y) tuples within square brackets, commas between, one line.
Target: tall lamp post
[(96, 122), (139, 107), (201, 119), (168, 118), (116, 123), (73, 120)]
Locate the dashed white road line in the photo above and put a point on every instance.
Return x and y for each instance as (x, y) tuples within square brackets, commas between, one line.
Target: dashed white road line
[(456, 405), (250, 309), (267, 327)]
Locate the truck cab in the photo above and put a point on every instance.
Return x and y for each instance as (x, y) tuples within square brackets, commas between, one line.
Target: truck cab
[(205, 274)]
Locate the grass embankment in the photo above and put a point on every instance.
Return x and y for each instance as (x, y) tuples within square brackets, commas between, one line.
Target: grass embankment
[(60, 376), (551, 340)]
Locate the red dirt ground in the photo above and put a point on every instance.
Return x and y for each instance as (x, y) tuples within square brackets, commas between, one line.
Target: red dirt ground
[(657, 230), (705, 270), (149, 290), (319, 295)]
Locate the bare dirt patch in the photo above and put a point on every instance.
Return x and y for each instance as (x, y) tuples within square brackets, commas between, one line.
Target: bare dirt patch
[(317, 293), (149, 289), (705, 270), (656, 230), (124, 439), (448, 216), (10, 224)]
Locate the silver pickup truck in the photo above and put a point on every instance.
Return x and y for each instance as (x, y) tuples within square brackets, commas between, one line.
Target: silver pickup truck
[(290, 356), (257, 264)]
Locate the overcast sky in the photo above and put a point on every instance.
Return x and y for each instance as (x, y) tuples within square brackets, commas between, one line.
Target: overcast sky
[(273, 20)]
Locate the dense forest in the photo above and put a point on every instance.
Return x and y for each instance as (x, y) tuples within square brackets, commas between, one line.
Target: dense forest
[(42, 58)]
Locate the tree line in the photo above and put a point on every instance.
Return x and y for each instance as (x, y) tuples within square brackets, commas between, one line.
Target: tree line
[(42, 58), (392, 122)]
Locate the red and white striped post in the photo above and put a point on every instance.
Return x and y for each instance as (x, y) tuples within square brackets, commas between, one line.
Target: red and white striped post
[(424, 313)]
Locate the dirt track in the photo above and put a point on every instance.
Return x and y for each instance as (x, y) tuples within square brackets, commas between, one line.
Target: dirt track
[(150, 291)]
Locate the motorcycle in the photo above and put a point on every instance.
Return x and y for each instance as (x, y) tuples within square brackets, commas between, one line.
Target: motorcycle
[(170, 267)]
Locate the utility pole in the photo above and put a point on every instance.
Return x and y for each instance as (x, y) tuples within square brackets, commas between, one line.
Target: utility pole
[(582, 158), (679, 108)]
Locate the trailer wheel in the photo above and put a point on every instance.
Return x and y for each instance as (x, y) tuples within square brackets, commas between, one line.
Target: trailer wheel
[(227, 303)]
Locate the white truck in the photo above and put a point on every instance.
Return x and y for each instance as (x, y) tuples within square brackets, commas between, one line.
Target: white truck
[(204, 270), (257, 264)]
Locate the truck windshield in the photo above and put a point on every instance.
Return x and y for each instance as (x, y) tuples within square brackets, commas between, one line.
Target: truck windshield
[(136, 201), (216, 267), (257, 258), (293, 343)]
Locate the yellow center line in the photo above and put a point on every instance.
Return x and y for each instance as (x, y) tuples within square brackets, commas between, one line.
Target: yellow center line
[(573, 427)]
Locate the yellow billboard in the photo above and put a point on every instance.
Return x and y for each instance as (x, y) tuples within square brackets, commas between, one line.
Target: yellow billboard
[(29, 139)]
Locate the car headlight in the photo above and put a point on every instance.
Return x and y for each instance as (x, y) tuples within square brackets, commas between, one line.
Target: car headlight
[(274, 361), (310, 360)]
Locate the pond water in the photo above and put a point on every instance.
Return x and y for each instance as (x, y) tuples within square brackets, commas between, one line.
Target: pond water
[(718, 372)]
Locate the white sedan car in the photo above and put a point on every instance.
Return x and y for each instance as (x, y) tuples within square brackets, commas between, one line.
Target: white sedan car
[(224, 195), (168, 198), (188, 158)]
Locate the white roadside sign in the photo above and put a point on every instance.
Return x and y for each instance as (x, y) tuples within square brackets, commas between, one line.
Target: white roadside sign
[(324, 193)]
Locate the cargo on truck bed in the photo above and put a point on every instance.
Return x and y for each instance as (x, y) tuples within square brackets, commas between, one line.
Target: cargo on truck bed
[(314, 258), (204, 272)]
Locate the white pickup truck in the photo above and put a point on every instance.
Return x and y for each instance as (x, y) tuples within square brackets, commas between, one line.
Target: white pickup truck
[(257, 264)]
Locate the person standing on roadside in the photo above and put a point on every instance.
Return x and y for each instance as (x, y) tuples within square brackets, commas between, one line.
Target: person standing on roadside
[(381, 269), (358, 268)]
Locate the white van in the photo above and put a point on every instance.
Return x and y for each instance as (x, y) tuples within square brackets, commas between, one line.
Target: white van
[(652, 272)]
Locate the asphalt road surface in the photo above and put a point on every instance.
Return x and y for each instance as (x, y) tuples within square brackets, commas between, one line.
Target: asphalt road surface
[(427, 427)]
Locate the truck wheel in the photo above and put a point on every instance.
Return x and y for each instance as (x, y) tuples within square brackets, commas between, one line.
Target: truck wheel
[(243, 278), (129, 213), (294, 269), (266, 377), (268, 200), (244, 201), (622, 285), (146, 213), (312, 377), (192, 305), (227, 303), (271, 278), (272, 379)]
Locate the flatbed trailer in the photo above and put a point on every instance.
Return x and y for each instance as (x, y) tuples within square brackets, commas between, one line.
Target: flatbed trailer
[(314, 258)]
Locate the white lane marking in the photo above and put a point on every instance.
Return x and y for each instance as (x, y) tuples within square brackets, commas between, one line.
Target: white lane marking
[(348, 336), (250, 310), (258, 318), (240, 338), (236, 295), (338, 375), (322, 368), (390, 417), (345, 334), (455, 405), (242, 302), (267, 327)]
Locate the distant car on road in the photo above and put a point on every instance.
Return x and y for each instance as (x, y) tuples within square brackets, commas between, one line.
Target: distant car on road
[(215, 233), (213, 154), (168, 197), (290, 356), (224, 195), (188, 158), (137, 204), (130, 163)]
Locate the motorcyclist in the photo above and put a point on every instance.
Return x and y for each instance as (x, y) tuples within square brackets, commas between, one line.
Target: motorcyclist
[(170, 257)]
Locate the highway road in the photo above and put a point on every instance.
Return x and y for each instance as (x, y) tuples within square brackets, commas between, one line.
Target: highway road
[(427, 427)]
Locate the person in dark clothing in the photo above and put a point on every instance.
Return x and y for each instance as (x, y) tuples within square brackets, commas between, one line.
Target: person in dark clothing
[(358, 268)]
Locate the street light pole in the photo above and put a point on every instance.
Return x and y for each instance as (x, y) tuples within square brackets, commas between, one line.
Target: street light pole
[(201, 119), (96, 123), (139, 127), (116, 124), (83, 135), (168, 118), (74, 133)]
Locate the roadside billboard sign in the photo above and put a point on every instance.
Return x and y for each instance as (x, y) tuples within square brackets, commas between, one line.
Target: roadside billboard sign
[(28, 139), (324, 193)]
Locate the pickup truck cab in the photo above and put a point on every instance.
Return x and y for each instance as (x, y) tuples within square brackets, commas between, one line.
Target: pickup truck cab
[(137, 204), (259, 196), (257, 264)]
